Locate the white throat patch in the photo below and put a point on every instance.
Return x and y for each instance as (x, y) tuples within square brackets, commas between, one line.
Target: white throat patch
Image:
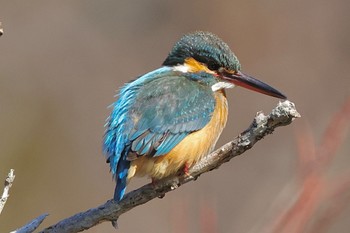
[(221, 85), (181, 68)]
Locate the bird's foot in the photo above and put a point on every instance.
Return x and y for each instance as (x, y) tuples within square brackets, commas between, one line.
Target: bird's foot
[(186, 171)]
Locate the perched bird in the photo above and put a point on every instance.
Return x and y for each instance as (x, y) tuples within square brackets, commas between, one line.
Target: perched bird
[(169, 118)]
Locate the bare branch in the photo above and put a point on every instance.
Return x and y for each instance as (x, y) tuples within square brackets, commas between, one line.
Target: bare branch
[(8, 183), (1, 30), (32, 225), (262, 125)]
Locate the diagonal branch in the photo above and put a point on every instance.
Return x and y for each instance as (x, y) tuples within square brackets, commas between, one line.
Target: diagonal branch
[(262, 125), (8, 183)]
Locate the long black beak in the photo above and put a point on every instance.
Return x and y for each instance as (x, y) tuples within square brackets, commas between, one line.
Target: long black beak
[(246, 81)]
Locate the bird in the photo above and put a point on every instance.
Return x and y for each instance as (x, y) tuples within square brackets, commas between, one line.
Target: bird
[(166, 120)]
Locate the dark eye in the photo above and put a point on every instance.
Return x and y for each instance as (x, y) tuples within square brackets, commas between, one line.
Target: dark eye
[(213, 65)]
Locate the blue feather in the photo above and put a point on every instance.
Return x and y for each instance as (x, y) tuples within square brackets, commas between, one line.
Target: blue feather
[(123, 168), (170, 143)]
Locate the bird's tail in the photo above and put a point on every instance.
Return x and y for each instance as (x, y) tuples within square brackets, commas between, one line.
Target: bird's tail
[(121, 178)]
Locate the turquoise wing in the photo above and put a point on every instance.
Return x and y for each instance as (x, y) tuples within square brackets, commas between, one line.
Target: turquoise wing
[(166, 110)]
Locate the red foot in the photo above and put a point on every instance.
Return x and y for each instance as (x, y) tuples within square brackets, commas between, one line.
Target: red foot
[(187, 169)]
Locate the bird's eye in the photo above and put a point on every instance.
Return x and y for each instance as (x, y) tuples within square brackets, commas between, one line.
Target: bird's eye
[(213, 65)]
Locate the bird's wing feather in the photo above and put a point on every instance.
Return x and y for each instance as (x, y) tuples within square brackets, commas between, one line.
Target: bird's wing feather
[(165, 111)]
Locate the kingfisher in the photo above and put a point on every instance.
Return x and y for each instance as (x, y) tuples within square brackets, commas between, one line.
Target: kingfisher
[(168, 119)]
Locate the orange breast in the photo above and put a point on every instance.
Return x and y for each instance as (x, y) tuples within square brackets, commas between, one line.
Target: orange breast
[(189, 150)]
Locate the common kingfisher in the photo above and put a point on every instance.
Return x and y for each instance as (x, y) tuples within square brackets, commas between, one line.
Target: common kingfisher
[(168, 119)]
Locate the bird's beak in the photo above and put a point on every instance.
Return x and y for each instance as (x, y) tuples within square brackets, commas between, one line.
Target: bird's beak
[(240, 79)]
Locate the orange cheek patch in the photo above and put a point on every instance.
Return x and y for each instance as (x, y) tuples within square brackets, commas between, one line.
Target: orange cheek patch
[(195, 66)]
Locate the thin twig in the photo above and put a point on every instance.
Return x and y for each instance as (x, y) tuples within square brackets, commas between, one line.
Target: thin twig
[(8, 183)]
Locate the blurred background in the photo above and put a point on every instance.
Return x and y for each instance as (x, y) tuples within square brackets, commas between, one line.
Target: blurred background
[(60, 66)]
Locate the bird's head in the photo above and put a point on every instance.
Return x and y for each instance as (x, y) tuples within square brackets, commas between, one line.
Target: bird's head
[(205, 52)]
